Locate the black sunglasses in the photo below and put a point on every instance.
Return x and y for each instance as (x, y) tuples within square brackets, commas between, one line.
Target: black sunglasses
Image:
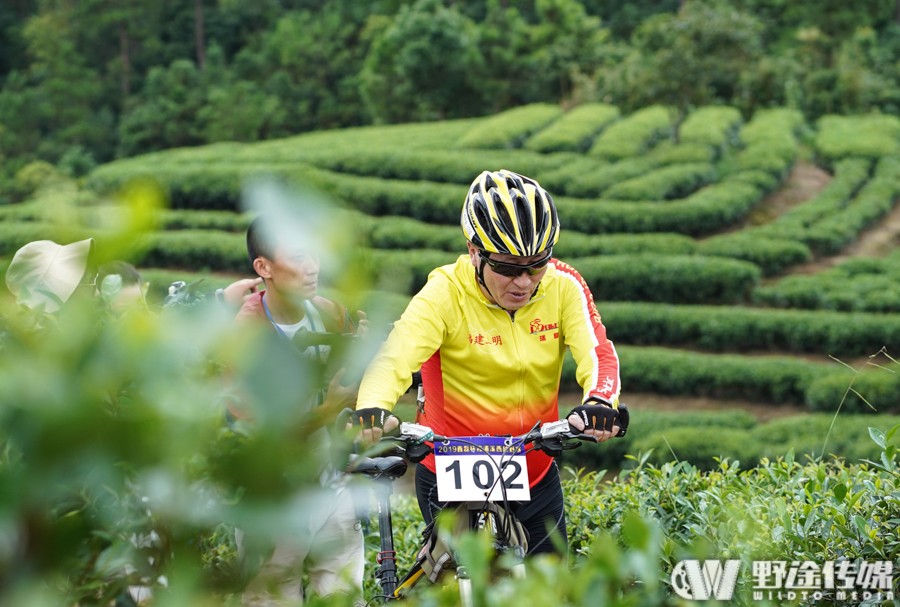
[(514, 270)]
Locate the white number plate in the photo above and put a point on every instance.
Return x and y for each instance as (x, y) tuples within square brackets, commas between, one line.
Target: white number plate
[(469, 470)]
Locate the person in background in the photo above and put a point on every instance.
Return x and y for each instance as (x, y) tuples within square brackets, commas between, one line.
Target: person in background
[(290, 308), (490, 333)]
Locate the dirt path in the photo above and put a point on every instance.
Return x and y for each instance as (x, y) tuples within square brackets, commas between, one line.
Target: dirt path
[(805, 181)]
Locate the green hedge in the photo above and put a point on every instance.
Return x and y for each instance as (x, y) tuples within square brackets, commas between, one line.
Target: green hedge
[(196, 250), (392, 232), (403, 272), (673, 181), (856, 285), (575, 130), (850, 175), (874, 201), (575, 244), (648, 423), (711, 208), (870, 135), (511, 128), (806, 435), (773, 124), (769, 254), (875, 387), (715, 126), (634, 134), (725, 329), (226, 221), (443, 166), (680, 279), (768, 379)]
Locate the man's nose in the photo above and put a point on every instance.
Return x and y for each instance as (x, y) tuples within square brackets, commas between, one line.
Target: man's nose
[(523, 279)]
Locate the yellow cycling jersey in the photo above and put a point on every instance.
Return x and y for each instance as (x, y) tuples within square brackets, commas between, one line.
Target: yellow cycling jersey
[(485, 370)]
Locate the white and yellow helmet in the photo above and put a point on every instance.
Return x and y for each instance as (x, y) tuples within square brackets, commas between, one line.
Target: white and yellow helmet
[(509, 214)]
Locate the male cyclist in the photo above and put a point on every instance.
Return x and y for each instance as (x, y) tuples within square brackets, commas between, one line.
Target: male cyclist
[(489, 333)]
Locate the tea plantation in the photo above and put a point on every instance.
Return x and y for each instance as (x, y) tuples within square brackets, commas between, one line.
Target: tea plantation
[(696, 291)]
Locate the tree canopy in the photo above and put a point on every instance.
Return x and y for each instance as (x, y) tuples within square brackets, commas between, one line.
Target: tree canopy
[(83, 82)]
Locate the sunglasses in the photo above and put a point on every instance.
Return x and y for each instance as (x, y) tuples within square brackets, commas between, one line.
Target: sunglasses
[(514, 270)]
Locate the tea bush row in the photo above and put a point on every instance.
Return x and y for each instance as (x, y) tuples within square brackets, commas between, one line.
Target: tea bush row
[(511, 128), (391, 232), (674, 279), (575, 130), (634, 134), (674, 181), (869, 135), (724, 329), (706, 210), (588, 177), (856, 285), (443, 166), (715, 126), (700, 437)]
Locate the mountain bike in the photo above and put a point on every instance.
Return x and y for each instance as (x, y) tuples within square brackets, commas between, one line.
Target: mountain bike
[(481, 488)]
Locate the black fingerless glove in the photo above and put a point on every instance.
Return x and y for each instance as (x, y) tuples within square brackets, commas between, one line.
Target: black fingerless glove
[(370, 417), (600, 417)]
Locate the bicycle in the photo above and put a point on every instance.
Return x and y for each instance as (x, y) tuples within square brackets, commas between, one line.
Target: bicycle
[(488, 475)]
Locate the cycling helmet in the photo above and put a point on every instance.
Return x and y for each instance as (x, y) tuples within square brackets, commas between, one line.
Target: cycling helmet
[(509, 214)]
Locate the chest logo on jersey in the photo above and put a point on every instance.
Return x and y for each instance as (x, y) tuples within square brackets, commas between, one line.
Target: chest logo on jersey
[(537, 326)]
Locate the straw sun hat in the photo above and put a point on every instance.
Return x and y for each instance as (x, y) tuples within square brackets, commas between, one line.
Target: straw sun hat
[(44, 273)]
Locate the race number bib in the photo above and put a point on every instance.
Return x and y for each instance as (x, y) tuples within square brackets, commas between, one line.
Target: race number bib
[(477, 468)]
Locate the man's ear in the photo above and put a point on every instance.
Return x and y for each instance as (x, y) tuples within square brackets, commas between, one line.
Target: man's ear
[(262, 267), (473, 254)]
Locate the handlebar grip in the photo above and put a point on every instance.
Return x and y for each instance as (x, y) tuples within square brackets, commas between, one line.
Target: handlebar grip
[(624, 418)]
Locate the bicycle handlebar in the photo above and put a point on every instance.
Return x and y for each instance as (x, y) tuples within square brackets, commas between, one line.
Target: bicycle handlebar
[(550, 437)]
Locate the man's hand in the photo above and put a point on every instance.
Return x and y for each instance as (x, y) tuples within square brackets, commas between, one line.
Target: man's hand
[(374, 422), (594, 419), (362, 327), (338, 396), (235, 293)]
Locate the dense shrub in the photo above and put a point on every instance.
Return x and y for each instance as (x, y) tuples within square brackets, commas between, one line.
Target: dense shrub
[(856, 285), (634, 134), (771, 379), (809, 436), (725, 329), (575, 130), (445, 166), (704, 211), (869, 135), (575, 244), (673, 181), (868, 390), (668, 278), (648, 423), (769, 254), (715, 126), (196, 250), (511, 128), (403, 272)]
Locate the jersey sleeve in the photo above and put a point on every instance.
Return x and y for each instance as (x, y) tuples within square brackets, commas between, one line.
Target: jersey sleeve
[(418, 333), (597, 369)]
